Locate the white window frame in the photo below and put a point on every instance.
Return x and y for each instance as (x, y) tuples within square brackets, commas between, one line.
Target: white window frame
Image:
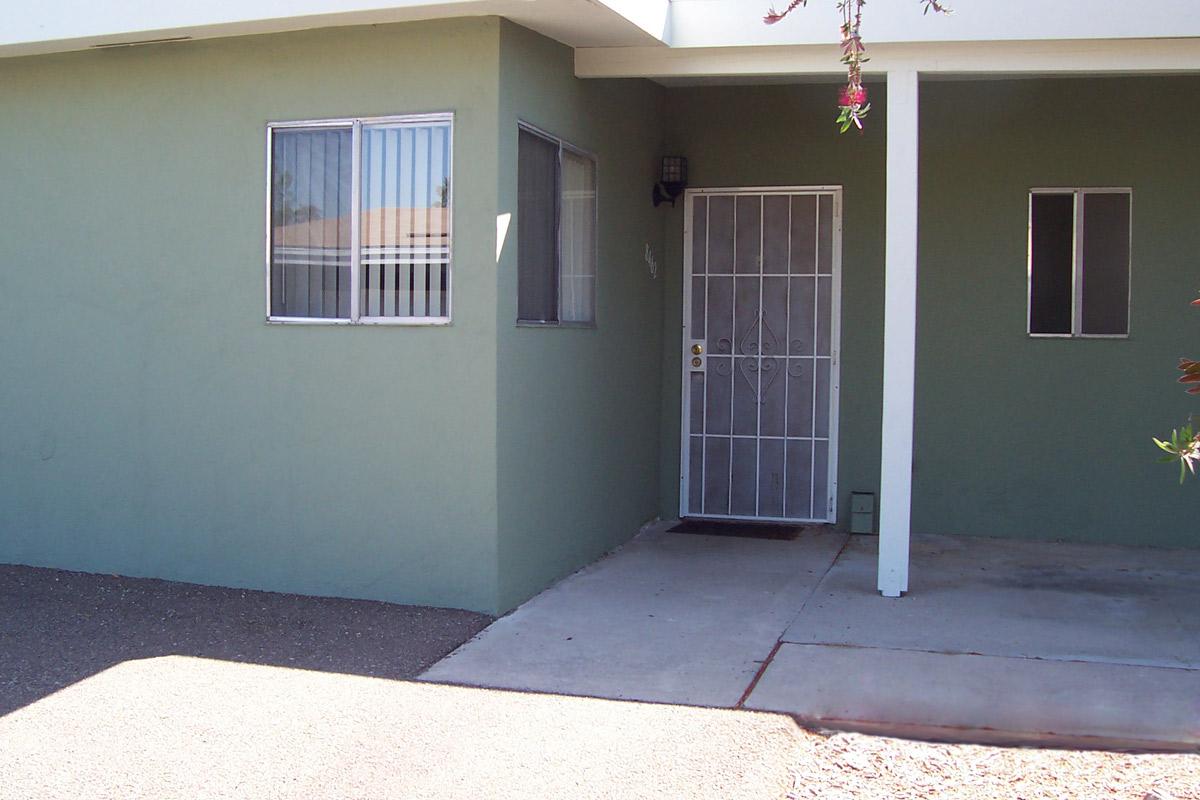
[(356, 125), (1080, 200), (565, 146)]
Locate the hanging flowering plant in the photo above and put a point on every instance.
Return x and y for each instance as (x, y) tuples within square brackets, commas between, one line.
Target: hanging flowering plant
[(852, 100), (1184, 444)]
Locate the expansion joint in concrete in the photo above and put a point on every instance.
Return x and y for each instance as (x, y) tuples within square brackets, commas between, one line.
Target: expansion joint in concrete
[(766, 662)]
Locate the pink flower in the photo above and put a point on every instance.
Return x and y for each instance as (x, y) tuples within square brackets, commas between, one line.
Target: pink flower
[(849, 98)]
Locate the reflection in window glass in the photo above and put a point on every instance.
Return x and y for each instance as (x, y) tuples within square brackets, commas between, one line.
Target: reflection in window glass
[(401, 216), (405, 245), (310, 223)]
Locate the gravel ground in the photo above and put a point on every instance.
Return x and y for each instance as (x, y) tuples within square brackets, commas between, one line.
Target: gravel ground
[(112, 687), (58, 627), (849, 765)]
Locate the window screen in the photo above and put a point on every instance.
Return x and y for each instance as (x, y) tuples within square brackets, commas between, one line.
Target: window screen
[(537, 229), (1079, 256), (1105, 265), (1051, 263)]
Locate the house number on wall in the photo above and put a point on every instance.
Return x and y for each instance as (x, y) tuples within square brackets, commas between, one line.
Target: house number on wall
[(651, 263)]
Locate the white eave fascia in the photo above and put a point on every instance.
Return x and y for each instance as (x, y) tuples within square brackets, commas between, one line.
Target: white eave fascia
[(739, 23), (1015, 58), (63, 25)]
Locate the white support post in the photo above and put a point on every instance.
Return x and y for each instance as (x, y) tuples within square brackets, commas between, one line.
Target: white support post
[(899, 333)]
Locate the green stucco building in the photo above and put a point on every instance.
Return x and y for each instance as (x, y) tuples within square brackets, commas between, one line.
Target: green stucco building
[(381, 307)]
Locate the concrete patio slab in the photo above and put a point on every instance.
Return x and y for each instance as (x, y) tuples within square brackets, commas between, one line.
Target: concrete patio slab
[(1021, 700), (672, 618), (1023, 599), (1006, 641)]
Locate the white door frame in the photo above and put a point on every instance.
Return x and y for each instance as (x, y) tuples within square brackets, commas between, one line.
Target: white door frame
[(834, 343)]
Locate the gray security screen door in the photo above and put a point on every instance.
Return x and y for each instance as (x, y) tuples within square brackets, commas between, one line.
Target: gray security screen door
[(760, 353)]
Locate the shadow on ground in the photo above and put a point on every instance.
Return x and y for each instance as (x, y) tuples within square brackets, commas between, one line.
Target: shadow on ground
[(147, 689), (57, 628)]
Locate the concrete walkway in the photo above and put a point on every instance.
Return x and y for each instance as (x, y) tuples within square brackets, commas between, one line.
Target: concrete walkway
[(669, 618), (998, 640)]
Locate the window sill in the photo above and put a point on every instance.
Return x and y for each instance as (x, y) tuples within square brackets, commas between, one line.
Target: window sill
[(401, 322), (1078, 335), (527, 323)]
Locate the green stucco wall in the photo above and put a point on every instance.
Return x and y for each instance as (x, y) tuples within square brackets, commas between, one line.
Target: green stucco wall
[(151, 422), (1049, 438), (1015, 437), (578, 415)]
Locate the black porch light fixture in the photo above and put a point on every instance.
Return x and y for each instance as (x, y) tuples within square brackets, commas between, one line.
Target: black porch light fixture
[(673, 180)]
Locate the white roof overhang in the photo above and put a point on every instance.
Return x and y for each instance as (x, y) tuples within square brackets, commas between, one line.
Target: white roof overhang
[(673, 66), (677, 41), (60, 25)]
